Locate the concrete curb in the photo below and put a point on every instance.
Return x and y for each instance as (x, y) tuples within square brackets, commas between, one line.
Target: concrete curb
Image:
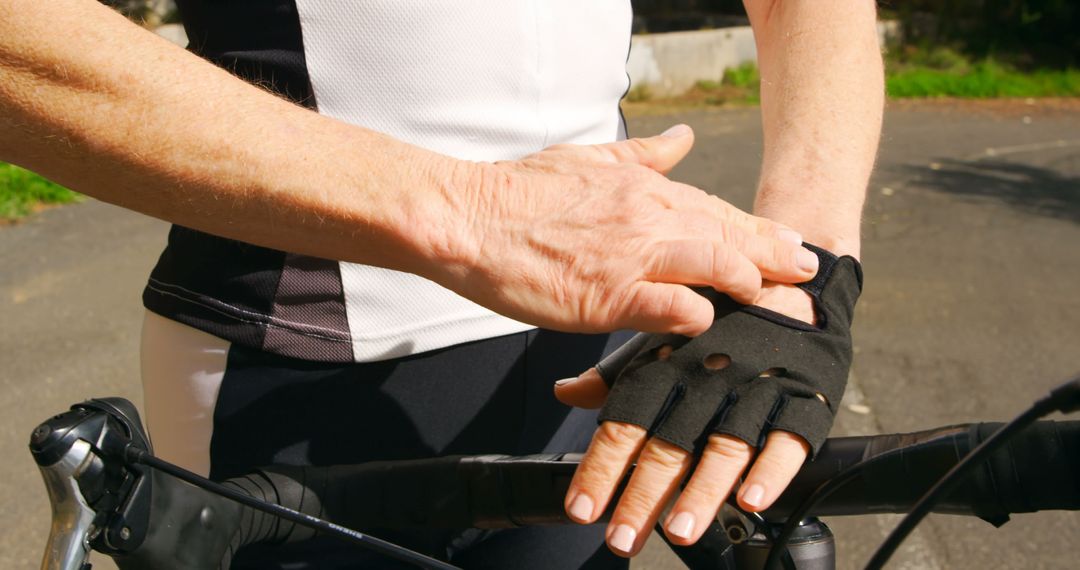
[(671, 63)]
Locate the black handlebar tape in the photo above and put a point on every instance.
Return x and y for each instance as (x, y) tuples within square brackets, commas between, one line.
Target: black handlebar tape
[(259, 527), (1038, 470), (487, 491), (190, 529)]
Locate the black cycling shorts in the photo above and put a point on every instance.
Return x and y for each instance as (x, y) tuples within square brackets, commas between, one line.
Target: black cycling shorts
[(489, 396)]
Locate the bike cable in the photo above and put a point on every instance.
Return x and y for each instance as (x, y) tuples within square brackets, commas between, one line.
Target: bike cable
[(1065, 398), (780, 540), (139, 456)]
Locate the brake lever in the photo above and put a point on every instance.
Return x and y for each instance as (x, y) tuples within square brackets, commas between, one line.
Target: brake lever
[(68, 547), (98, 502)]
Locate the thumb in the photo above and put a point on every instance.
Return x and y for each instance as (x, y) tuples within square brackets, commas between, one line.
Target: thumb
[(660, 153), (586, 391)]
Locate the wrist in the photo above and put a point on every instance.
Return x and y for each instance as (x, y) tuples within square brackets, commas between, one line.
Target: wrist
[(788, 300), (832, 224), (445, 224)]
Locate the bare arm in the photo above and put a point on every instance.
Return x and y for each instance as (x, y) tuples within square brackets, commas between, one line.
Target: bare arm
[(108, 109), (822, 96), (120, 114)]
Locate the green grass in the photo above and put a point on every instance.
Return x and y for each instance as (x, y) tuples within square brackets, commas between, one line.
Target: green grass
[(940, 71), (739, 85), (913, 72), (985, 79), (746, 75), (639, 94), (22, 191)]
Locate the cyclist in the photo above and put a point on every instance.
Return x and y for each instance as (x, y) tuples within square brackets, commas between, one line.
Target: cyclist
[(447, 260)]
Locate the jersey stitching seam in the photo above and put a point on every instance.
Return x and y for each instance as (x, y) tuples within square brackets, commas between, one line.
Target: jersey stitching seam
[(264, 319)]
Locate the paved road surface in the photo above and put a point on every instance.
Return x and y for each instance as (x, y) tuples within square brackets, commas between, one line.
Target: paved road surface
[(972, 255)]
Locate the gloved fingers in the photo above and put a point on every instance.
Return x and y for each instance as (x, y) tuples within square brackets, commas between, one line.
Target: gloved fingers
[(585, 391), (661, 467), (689, 418), (781, 458), (613, 448), (613, 364), (747, 416), (644, 390), (723, 461), (809, 417)]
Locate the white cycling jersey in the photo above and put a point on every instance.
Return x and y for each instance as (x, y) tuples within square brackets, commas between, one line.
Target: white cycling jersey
[(475, 79)]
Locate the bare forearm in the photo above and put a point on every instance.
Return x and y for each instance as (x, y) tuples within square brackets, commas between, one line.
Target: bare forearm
[(90, 100), (98, 104), (822, 97)]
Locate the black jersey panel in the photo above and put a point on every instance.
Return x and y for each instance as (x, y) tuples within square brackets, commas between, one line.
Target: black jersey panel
[(258, 40), (310, 292), (221, 286), (252, 296)]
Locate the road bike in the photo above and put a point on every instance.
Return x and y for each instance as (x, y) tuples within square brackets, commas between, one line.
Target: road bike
[(109, 493)]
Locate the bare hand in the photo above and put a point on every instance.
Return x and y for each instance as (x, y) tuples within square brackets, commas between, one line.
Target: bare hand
[(596, 238), (661, 466)]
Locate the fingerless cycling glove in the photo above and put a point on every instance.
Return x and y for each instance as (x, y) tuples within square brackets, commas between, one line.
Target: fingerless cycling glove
[(753, 371)]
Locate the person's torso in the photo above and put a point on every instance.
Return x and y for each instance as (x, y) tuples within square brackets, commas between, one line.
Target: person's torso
[(475, 79)]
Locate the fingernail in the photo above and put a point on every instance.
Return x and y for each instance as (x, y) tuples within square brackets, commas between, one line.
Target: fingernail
[(790, 236), (581, 507), (565, 381), (753, 495), (807, 260), (676, 132), (682, 525), (623, 538)]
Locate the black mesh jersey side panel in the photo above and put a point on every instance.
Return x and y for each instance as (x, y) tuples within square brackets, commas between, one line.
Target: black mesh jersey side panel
[(221, 286), (258, 40), (234, 290)]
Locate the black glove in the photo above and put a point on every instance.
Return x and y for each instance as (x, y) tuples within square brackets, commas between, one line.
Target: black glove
[(753, 371)]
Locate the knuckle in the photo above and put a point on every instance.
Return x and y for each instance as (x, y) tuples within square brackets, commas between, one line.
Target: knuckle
[(766, 226), (637, 147), (722, 259), (664, 455), (635, 505), (728, 448), (775, 467), (676, 305), (729, 234), (644, 303), (786, 253), (788, 444), (619, 435)]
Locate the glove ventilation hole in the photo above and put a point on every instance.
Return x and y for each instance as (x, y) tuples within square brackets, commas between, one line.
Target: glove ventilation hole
[(773, 372), (663, 352), (716, 361)]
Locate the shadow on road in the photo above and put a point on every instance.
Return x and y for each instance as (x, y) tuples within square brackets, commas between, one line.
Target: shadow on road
[(1035, 190)]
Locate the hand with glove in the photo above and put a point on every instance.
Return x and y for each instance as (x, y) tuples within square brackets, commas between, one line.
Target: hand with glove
[(756, 380)]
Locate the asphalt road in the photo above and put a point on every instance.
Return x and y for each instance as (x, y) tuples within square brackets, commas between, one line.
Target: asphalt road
[(972, 257)]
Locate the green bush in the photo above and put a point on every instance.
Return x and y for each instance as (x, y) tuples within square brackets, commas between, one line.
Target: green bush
[(21, 191), (1027, 33)]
